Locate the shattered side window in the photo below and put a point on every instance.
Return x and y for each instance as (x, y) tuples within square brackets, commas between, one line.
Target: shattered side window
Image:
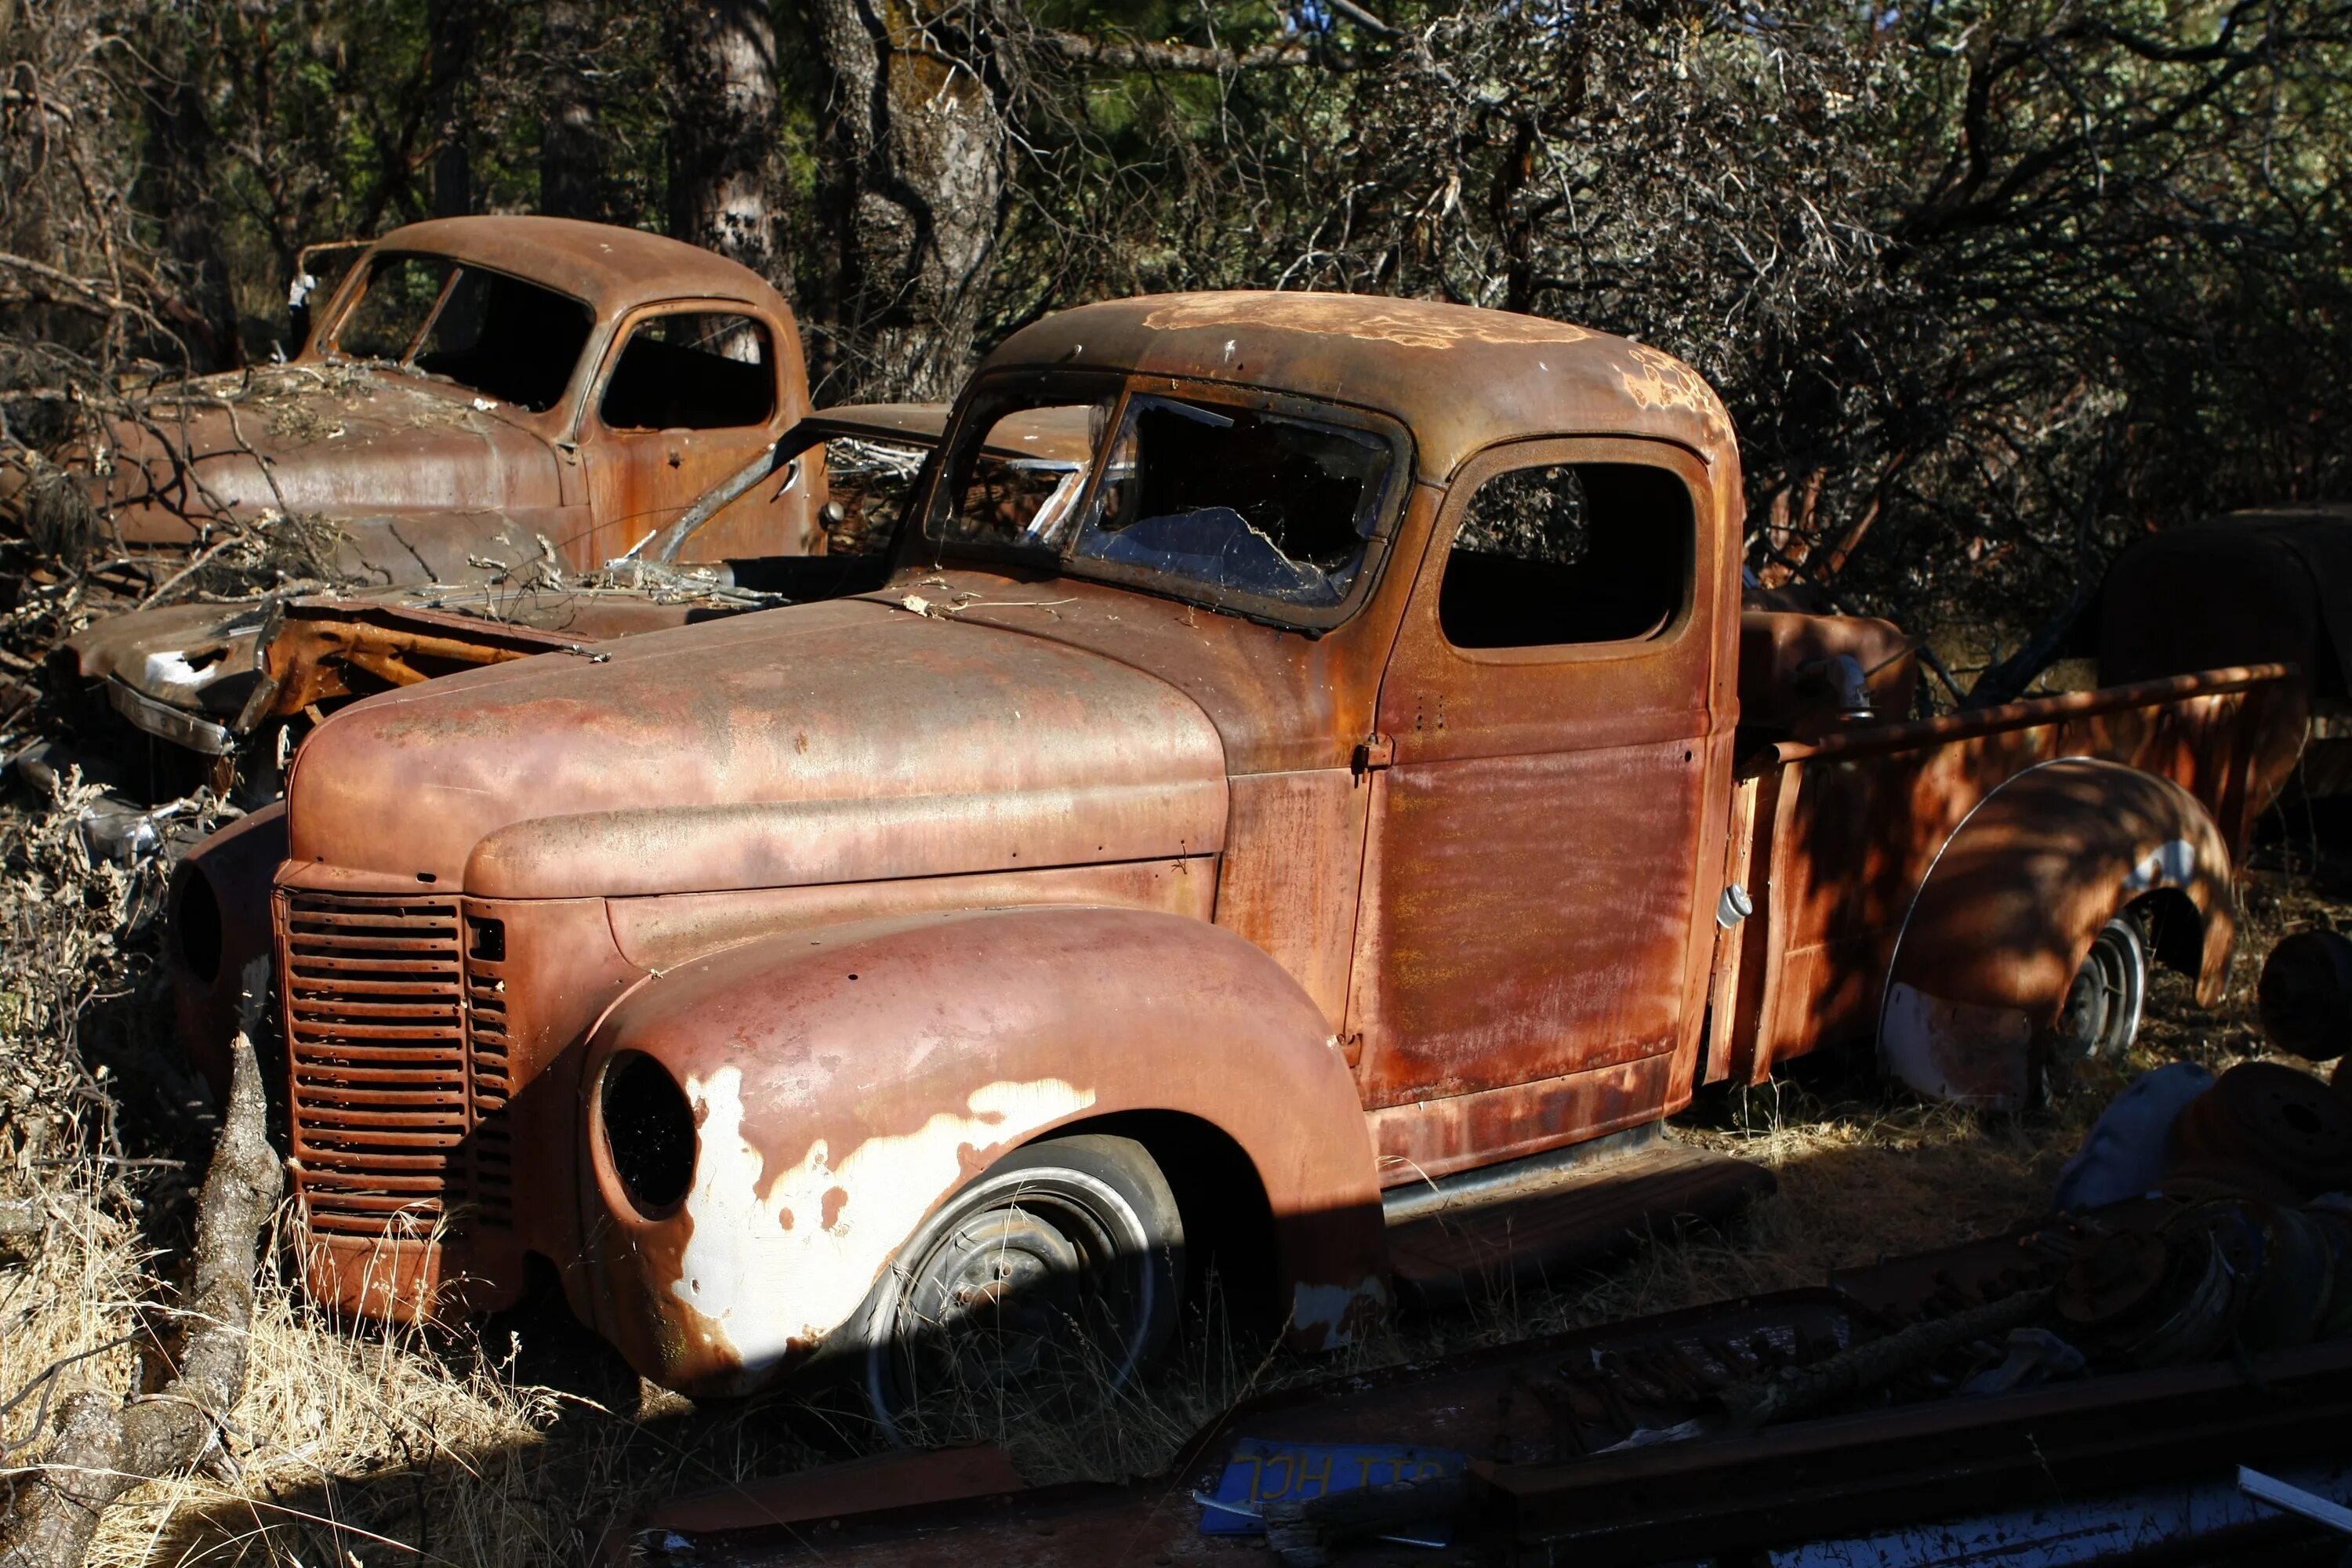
[(1250, 503), (391, 314)]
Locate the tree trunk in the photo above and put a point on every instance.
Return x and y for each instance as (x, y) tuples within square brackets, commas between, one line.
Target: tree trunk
[(571, 155), (913, 164), (177, 184), (724, 164), (453, 27), (103, 1446)]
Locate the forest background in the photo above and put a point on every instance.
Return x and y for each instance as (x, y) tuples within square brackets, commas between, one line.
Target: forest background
[(1990, 286)]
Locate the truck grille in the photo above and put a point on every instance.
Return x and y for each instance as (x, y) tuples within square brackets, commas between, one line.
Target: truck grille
[(382, 1097)]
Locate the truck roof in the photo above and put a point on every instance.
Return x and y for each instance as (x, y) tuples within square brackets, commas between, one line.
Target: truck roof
[(1460, 378), (613, 268)]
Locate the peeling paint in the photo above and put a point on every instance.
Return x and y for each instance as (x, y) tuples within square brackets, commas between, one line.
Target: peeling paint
[(765, 1285), (2171, 865), (1962, 1051), (1664, 381), (1328, 1316)]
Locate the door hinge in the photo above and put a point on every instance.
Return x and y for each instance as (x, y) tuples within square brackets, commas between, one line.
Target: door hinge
[(1374, 751)]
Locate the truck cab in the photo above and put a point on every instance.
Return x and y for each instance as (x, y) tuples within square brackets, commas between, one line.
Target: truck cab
[(1339, 787)]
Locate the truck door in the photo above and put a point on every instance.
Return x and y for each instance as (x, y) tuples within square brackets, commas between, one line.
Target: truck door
[(1524, 972), (689, 394)]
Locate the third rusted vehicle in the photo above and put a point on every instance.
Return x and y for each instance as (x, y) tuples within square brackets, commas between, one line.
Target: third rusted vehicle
[(1363, 778)]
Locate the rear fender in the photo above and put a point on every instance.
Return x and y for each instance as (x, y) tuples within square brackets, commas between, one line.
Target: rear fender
[(2009, 909), (846, 1081)]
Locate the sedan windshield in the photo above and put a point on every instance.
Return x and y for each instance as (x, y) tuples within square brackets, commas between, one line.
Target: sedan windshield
[(508, 340)]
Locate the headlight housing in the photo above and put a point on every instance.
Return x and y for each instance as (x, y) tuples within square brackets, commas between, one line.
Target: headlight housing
[(649, 1134)]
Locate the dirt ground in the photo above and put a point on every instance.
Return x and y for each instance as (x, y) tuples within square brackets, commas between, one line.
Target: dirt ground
[(522, 1438)]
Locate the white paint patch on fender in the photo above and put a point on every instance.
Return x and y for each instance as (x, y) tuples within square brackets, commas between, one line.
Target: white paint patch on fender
[(791, 1264), (1961, 1051), (2169, 865), (1327, 1316)]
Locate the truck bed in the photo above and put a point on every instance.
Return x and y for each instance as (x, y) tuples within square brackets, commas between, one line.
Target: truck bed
[(1832, 838)]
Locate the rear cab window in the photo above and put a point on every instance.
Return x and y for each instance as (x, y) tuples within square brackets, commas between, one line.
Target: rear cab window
[(692, 370), (1276, 508), (1555, 554)]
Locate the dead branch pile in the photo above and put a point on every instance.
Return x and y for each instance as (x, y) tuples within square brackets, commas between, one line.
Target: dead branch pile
[(104, 1447)]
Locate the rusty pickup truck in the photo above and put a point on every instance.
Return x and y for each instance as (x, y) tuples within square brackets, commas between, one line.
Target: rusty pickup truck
[(1365, 778), (474, 386)]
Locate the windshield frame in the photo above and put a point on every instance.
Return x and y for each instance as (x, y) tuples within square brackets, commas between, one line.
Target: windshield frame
[(361, 274), (1035, 388)]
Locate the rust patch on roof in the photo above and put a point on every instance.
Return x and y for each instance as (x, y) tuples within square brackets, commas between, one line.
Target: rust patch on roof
[(1663, 381), (1412, 323)]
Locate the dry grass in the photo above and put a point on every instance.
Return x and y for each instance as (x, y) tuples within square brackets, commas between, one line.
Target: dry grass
[(523, 1439)]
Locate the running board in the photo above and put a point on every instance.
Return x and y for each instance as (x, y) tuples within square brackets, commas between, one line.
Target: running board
[(1523, 1224)]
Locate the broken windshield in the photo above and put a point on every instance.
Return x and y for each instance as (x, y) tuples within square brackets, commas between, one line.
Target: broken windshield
[(508, 340), (1249, 503)]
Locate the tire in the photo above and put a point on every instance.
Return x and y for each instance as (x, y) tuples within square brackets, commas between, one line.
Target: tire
[(1057, 1273), (2102, 1013)]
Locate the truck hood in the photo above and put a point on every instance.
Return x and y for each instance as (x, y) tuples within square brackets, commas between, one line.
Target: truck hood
[(338, 441), (844, 741)]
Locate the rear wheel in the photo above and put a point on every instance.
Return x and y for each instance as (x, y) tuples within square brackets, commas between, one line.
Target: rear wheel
[(1056, 1273), (2101, 1017)]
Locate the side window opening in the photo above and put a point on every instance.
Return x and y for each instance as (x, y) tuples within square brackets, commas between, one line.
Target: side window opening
[(1569, 552), (693, 370), (1026, 476), (871, 483), (506, 339)]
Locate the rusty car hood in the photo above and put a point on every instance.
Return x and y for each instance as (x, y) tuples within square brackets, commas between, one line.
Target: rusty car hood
[(838, 742), (338, 440)]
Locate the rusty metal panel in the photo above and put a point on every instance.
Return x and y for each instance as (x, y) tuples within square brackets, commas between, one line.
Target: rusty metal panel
[(868, 715), (1456, 1133), (1731, 936), (1288, 881), (845, 1081), (664, 931), (1532, 880), (1461, 378), (1862, 815)]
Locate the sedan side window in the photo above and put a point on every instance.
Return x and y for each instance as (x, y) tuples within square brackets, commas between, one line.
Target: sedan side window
[(1569, 552), (694, 370)]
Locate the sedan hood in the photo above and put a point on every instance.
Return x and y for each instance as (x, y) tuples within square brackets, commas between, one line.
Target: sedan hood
[(338, 439), (843, 741)]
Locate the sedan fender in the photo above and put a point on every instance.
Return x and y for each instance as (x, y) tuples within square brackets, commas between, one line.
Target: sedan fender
[(2016, 896), (842, 1083)]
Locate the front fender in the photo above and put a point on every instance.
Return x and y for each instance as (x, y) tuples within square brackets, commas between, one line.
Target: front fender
[(2009, 909), (846, 1081)]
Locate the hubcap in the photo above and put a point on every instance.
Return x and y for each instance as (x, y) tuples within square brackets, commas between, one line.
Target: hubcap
[(1035, 1284)]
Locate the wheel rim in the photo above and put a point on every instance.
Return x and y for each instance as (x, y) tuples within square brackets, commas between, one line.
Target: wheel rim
[(1038, 1279), (2102, 1013)]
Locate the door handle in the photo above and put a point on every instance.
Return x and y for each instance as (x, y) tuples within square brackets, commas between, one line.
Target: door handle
[(1374, 751)]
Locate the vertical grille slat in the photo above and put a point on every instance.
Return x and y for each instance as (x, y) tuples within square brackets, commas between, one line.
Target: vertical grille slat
[(389, 1095), (493, 1079)]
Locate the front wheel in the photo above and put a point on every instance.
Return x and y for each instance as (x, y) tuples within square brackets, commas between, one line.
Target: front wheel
[(1056, 1273)]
